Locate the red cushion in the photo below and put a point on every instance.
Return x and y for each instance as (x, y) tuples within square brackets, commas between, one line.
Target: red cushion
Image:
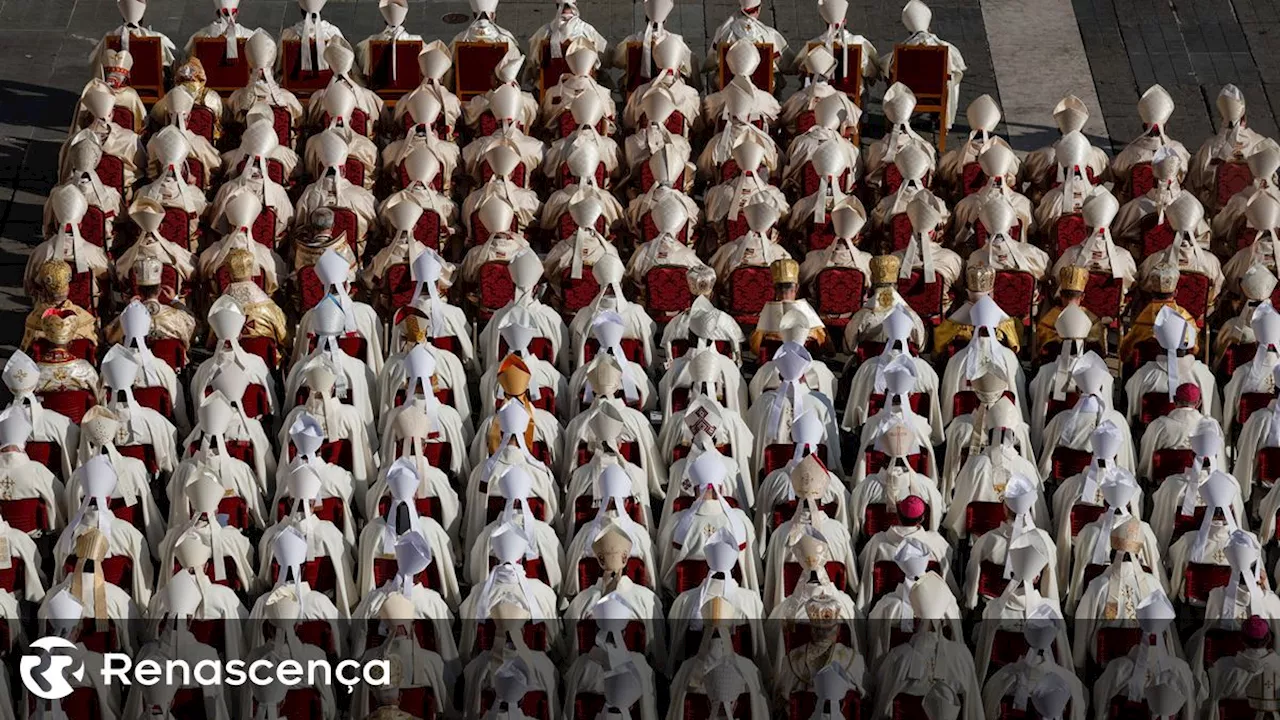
[(155, 397), (310, 287), (1154, 405)]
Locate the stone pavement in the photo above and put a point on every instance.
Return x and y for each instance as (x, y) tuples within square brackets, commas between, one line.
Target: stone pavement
[(1192, 47)]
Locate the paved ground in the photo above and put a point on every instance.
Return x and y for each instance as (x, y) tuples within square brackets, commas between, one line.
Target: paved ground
[(1106, 51)]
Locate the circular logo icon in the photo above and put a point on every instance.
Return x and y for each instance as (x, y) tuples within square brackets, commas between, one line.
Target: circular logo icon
[(45, 669)]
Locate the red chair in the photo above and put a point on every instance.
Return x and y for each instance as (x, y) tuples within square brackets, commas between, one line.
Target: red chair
[(318, 573), (428, 229), (1068, 230), (792, 572), (496, 288), (802, 704), (925, 298), (980, 233), (1268, 466), (839, 293), (1083, 514), (111, 172), (750, 288), (1141, 179), (398, 285), (1056, 406), (589, 571), (1183, 524), (93, 227), (72, 403), (311, 290), (566, 227), (201, 122), (981, 518), (1229, 179), (1170, 461), (1200, 578), (972, 179), (171, 350), (1234, 708), (264, 228), (1067, 461), (1156, 235), (1154, 405), (1250, 403), (667, 292), (877, 460), (691, 573), (579, 293), (275, 171), (116, 569), (81, 292), (155, 397), (1015, 293), (145, 453), (900, 231), (47, 454), (1193, 295), (919, 403), (1110, 643), (892, 179), (785, 510), (698, 705), (29, 515), (124, 117), (819, 237), (634, 637), (632, 349), (354, 171), (777, 455), (649, 229), (1219, 643), (966, 401), (346, 223), (1103, 295)]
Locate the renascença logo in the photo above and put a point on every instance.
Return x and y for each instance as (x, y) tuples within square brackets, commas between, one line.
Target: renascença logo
[(45, 673)]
